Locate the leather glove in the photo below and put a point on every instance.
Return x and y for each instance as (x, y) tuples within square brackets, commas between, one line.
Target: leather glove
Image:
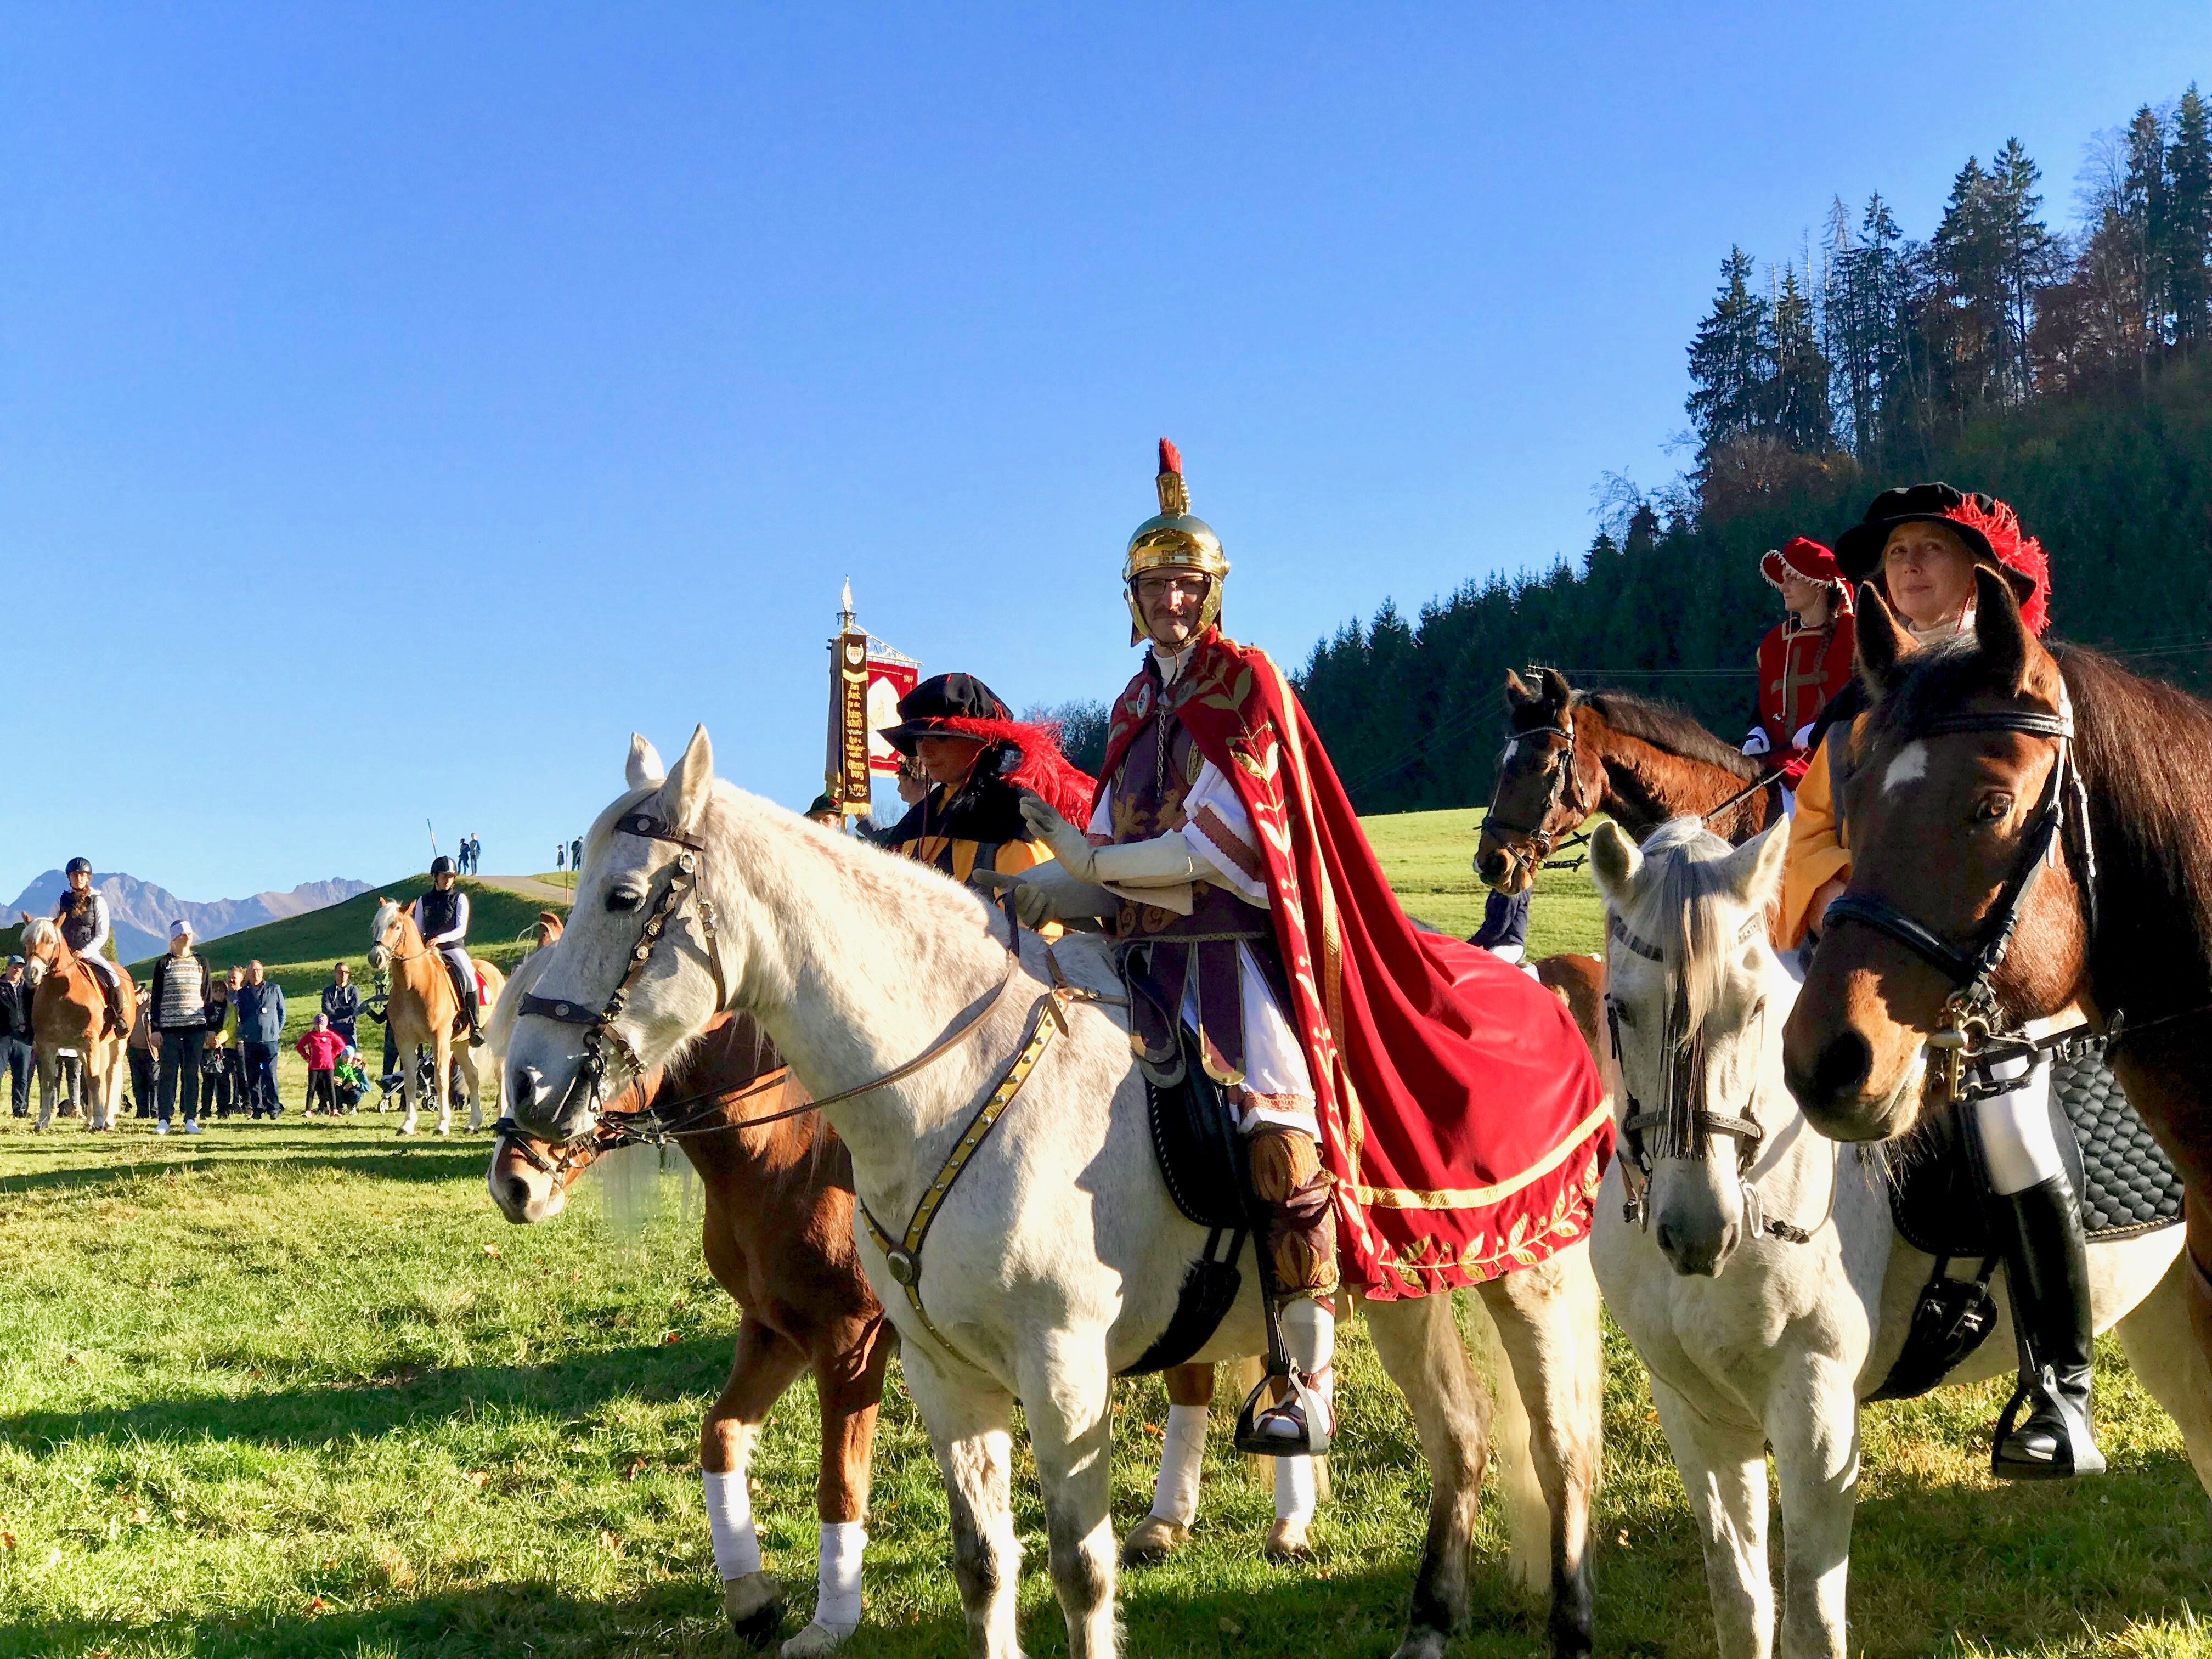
[(1048, 893), (1071, 847)]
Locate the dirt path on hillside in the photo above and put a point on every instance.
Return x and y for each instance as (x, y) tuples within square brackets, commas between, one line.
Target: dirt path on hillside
[(529, 887)]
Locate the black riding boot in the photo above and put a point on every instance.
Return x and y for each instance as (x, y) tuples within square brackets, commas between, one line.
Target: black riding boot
[(469, 1008), (2045, 1433)]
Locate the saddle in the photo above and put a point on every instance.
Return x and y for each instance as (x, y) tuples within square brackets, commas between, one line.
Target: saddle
[(2127, 1185), (1202, 1159)]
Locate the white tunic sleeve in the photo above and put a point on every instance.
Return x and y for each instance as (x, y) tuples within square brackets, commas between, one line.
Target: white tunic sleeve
[(1218, 832)]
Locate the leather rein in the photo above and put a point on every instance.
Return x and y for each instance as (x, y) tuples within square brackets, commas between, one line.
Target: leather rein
[(1564, 793)]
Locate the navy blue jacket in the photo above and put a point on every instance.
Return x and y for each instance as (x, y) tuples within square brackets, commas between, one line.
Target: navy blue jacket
[(260, 1012)]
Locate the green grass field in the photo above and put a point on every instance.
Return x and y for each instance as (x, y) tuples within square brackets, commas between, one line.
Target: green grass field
[(296, 1389)]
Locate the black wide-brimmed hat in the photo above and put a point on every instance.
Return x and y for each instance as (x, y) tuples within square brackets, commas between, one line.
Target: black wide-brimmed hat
[(1990, 529), (939, 708)]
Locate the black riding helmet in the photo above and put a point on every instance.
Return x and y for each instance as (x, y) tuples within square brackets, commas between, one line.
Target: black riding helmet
[(78, 868), (441, 865)]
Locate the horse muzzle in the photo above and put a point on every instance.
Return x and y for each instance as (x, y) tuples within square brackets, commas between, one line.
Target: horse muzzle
[(1693, 1233)]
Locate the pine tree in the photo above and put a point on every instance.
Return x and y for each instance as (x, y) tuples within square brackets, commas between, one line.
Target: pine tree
[(1798, 408), (2029, 258), (2189, 222), (1731, 359), (2146, 207), (1968, 323)]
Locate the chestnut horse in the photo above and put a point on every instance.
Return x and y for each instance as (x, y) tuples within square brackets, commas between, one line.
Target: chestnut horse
[(777, 1235), (1946, 807), (423, 1009), (69, 1016), (1575, 754)]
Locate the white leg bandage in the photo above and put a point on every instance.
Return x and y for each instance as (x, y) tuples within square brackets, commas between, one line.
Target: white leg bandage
[(837, 1602), (1294, 1489), (2014, 1128), (1310, 1334), (730, 1519), (1183, 1450)]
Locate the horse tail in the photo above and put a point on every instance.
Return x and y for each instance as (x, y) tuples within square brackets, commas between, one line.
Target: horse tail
[(1527, 1518)]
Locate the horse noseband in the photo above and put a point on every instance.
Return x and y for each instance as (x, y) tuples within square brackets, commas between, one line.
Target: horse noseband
[(1533, 838)]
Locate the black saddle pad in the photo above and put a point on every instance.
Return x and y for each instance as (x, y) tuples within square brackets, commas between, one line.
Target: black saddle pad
[(2127, 1183)]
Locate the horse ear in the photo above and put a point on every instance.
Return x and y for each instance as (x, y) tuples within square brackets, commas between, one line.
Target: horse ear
[(1754, 869), (1999, 630), (644, 768), (1518, 690), (1556, 692), (1615, 862), (1880, 641), (683, 796)]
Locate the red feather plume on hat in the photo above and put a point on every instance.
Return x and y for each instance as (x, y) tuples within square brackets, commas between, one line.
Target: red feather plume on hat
[(1043, 767), (2015, 550)]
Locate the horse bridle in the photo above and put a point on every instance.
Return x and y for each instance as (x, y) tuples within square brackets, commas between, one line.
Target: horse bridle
[(1565, 792), (1683, 1126), (1973, 1029), (600, 1031)]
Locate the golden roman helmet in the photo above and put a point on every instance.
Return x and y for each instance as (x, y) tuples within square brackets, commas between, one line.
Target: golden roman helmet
[(1173, 539)]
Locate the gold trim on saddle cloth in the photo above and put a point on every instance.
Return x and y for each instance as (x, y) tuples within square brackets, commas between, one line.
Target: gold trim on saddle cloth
[(903, 1259), (1474, 1198)]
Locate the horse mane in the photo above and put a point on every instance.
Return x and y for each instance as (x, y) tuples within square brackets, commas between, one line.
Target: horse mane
[(1673, 907), (40, 931), (1667, 727), (2145, 752)]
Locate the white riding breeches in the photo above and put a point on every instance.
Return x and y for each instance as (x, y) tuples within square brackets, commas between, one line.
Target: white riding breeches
[(2014, 1128)]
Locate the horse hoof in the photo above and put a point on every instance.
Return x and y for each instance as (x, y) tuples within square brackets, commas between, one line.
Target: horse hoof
[(1287, 1542), (817, 1639), (755, 1606), (1152, 1538)]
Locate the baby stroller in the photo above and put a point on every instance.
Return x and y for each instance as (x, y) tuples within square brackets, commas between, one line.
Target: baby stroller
[(426, 1084)]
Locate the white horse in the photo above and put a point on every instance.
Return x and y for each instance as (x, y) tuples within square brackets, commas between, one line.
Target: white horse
[(1753, 1340), (1057, 1257)]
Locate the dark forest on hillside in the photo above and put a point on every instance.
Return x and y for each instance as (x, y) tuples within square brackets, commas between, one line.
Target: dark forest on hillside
[(2063, 371)]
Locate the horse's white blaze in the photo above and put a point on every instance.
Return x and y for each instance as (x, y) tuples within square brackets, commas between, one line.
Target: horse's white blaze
[(1910, 767), (1779, 1347)]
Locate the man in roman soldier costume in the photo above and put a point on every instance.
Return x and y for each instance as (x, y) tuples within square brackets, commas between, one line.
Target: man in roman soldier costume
[(977, 760), (82, 915), (1805, 658), (1417, 1113)]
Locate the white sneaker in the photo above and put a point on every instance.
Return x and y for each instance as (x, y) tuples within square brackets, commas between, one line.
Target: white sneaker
[(161, 1126), (191, 1125)]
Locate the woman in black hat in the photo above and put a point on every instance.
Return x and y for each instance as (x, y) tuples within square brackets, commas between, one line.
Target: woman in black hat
[(1921, 547), (978, 759)]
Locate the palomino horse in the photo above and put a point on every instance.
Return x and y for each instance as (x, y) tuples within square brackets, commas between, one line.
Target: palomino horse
[(1756, 1338), (1057, 1257), (1965, 787), (69, 1016), (1575, 754), (424, 1009), (778, 1236)]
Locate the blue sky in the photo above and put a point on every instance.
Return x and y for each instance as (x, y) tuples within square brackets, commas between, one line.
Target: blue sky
[(400, 405)]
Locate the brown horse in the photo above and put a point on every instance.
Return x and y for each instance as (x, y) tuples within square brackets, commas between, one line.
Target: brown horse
[(1575, 754), (423, 1010), (1940, 821), (778, 1236), (68, 1022)]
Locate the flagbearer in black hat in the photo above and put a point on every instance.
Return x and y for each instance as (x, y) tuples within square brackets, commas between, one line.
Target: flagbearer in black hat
[(978, 759)]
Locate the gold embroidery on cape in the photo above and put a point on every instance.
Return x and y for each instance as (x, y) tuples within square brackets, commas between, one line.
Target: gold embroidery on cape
[(1476, 1198)]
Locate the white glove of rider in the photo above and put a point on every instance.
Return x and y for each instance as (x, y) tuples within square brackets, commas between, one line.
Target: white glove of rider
[(1048, 893), (1756, 741), (1071, 847)]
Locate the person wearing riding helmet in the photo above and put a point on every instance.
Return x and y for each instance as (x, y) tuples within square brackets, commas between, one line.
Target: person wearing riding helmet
[(1920, 547), (442, 914), (1805, 658), (82, 913), (977, 759)]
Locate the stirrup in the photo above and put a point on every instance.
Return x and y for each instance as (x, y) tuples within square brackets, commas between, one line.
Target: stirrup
[(2078, 1453), (1308, 1406)]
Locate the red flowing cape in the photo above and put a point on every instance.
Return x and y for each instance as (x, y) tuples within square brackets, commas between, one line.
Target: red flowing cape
[(1462, 1117)]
